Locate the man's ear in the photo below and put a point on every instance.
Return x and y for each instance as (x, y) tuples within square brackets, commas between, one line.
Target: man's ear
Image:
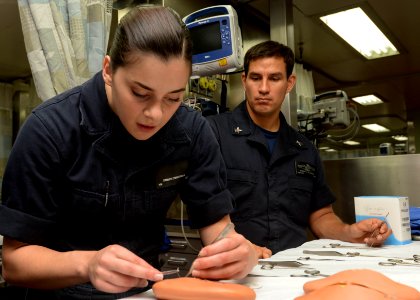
[(243, 79), (291, 81), (107, 70)]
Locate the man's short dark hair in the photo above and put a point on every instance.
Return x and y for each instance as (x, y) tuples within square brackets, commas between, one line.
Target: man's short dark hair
[(270, 49)]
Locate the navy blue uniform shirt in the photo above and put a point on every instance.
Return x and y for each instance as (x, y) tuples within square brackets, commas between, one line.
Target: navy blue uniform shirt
[(77, 180), (274, 193)]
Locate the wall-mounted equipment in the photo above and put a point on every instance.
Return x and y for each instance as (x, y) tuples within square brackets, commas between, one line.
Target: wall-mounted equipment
[(329, 118), (217, 40), (331, 108)]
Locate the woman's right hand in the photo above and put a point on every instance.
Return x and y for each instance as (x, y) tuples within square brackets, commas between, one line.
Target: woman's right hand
[(115, 269)]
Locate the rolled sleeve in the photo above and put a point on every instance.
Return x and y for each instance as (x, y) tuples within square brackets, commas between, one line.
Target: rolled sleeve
[(206, 193), (23, 227), (28, 209), (211, 211)]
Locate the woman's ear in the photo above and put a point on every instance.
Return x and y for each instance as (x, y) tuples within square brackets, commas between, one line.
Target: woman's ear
[(107, 70)]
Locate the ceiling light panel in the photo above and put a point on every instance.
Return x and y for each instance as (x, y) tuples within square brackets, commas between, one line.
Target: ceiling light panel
[(351, 143), (367, 100), (400, 138), (375, 127), (357, 29)]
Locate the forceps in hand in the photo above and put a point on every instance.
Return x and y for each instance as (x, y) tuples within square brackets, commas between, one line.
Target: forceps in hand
[(171, 272), (376, 231), (221, 235)]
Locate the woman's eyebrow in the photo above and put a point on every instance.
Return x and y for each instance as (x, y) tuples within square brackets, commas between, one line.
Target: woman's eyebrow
[(150, 89), (143, 86)]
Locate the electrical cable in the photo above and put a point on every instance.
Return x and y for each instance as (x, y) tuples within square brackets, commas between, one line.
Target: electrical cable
[(350, 132), (183, 230)]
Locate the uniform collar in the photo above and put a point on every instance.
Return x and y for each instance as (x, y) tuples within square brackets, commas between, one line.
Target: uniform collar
[(243, 125), (96, 115)]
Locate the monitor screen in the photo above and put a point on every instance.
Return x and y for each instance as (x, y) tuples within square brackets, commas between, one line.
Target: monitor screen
[(206, 37)]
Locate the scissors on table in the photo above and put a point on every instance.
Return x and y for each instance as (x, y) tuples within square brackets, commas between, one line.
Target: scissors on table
[(309, 273), (399, 262), (311, 258), (269, 265), (415, 258), (335, 253), (338, 245)]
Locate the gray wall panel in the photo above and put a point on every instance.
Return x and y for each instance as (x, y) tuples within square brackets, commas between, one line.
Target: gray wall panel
[(395, 175)]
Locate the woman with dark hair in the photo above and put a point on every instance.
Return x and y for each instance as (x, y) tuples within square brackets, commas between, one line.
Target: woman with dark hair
[(95, 169)]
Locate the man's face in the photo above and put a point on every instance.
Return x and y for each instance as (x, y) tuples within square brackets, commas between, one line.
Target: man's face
[(266, 86), (146, 93)]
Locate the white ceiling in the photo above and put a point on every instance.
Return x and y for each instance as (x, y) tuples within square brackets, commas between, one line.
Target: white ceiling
[(335, 65)]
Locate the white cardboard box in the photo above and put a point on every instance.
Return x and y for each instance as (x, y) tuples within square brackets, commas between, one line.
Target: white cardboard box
[(397, 208)]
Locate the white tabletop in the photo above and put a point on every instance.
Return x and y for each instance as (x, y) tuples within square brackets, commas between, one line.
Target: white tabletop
[(277, 283)]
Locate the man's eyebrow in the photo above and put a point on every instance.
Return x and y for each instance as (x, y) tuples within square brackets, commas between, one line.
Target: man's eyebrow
[(259, 74), (150, 89)]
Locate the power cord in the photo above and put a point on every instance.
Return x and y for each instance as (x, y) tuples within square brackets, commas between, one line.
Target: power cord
[(183, 229)]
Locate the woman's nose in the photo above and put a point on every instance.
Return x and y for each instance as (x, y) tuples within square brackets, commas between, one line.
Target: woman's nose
[(153, 110)]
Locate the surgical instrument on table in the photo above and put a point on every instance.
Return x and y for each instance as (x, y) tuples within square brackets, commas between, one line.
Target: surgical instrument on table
[(399, 262), (309, 273), (269, 265), (416, 257), (337, 245), (336, 253), (221, 235), (331, 253), (312, 258)]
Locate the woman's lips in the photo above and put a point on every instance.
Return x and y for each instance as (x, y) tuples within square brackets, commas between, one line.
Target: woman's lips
[(145, 127)]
